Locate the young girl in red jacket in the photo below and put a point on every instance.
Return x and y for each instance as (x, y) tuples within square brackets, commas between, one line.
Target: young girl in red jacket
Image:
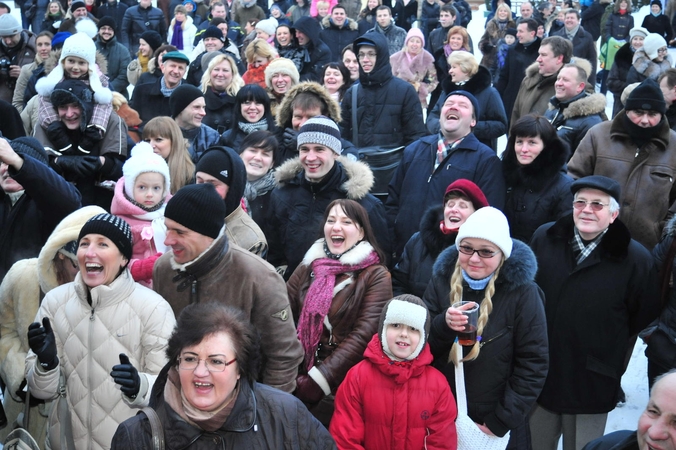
[(406, 403)]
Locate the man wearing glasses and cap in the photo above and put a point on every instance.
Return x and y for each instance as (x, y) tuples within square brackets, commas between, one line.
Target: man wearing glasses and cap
[(601, 289)]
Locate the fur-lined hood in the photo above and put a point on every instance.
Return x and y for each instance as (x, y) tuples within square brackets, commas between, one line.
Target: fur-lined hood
[(435, 241), (285, 111), (351, 257), (518, 270), (358, 183), (586, 105), (45, 85), (351, 24), (67, 230)]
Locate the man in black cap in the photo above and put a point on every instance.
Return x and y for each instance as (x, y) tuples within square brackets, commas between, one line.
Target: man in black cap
[(116, 54), (203, 265), (638, 150), (186, 107), (140, 18), (214, 41), (601, 289), (153, 99), (79, 10), (114, 9), (33, 200)]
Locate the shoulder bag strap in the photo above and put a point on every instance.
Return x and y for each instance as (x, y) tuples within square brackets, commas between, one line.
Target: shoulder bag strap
[(460, 394), (355, 130), (155, 427), (67, 442), (665, 274)]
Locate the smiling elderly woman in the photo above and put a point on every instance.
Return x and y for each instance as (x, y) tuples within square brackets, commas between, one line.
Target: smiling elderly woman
[(207, 396), (82, 327)]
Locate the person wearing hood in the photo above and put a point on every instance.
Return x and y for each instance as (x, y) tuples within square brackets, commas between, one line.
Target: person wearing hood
[(224, 169), (338, 31), (317, 53), (19, 47), (187, 108), (388, 109), (617, 78), (116, 54), (638, 149), (396, 370)]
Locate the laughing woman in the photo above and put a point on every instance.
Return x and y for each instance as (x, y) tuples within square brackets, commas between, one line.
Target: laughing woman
[(251, 113)]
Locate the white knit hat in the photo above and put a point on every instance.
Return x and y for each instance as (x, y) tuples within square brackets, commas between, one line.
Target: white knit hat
[(268, 25), (490, 224), (652, 43), (143, 160)]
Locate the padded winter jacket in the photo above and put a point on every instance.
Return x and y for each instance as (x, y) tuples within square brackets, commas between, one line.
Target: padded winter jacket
[(138, 20)]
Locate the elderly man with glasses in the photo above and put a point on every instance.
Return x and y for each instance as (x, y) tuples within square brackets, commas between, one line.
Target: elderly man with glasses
[(601, 289)]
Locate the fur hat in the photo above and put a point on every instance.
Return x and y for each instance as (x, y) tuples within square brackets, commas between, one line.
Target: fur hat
[(30, 146), (9, 26), (652, 43), (415, 32), (408, 310), (199, 208), (213, 32), (268, 26), (638, 31), (79, 45), (112, 227), (144, 159), (182, 96), (467, 189), (320, 130), (152, 38), (490, 224), (281, 65), (647, 96)]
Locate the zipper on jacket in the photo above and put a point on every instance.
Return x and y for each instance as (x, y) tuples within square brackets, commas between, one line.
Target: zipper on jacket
[(89, 376), (495, 337)]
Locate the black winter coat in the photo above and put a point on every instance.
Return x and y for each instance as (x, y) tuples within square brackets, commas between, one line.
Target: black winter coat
[(134, 25), (412, 273), (262, 418), (219, 111), (319, 53), (149, 102), (537, 193), (505, 380), (118, 58), (617, 78), (584, 46), (659, 25), (405, 15), (592, 310), (25, 226), (618, 26), (591, 18), (618, 440), (492, 120), (336, 39), (519, 57), (388, 108)]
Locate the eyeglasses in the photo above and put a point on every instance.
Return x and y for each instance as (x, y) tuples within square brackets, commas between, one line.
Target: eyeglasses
[(482, 252), (595, 206), (369, 55), (212, 364), (662, 50)]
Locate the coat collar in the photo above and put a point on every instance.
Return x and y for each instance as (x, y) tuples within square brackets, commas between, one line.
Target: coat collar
[(614, 244), (618, 131), (351, 257), (582, 105)]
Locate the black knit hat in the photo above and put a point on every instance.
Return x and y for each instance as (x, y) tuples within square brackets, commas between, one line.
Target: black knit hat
[(214, 32), (225, 164), (199, 208), (599, 182), (112, 227), (77, 4), (182, 96), (475, 103), (31, 147), (656, 2), (511, 32), (647, 96), (107, 21), (153, 39)]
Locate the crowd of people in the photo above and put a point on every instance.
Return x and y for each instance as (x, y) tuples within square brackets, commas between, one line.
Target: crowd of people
[(196, 183)]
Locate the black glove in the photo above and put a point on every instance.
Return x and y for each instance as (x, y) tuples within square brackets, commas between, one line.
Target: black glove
[(57, 132), (127, 377), (307, 390), (22, 395), (43, 343), (79, 166), (290, 139), (90, 138)]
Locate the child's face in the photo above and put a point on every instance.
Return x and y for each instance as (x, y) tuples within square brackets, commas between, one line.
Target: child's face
[(75, 67), (149, 189), (402, 340), (322, 11), (509, 39)]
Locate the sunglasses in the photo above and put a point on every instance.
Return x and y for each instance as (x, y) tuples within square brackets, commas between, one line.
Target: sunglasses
[(595, 206), (482, 252)]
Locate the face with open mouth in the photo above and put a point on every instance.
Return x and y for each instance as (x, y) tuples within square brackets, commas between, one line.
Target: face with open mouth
[(456, 211), (257, 161), (203, 389), (402, 340), (281, 83), (341, 232), (99, 259), (456, 118)]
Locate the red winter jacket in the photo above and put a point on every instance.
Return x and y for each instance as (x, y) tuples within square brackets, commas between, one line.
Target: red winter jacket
[(404, 405), (255, 75)]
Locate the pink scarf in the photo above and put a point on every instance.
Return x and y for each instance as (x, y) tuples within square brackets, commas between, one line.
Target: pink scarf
[(318, 301)]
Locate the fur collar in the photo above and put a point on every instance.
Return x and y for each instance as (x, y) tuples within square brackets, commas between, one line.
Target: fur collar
[(351, 257), (624, 56), (475, 85), (587, 105), (358, 183), (615, 243), (351, 24), (518, 270), (285, 111), (435, 241), (647, 67)]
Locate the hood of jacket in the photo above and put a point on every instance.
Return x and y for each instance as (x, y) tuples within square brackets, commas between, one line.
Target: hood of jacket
[(309, 27), (67, 230), (478, 83), (582, 105), (237, 181), (357, 176), (518, 270), (399, 371), (382, 70), (350, 24), (285, 111), (435, 241)]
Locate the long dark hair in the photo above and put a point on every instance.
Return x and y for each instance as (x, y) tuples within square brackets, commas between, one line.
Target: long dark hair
[(254, 93), (358, 214), (344, 71)]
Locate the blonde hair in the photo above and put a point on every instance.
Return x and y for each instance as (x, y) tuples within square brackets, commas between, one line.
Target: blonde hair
[(484, 310), (237, 81), (505, 7), (259, 47), (180, 164), (465, 60)]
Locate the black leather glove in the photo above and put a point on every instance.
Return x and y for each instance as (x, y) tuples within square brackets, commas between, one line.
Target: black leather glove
[(79, 166), (22, 395), (126, 375), (307, 390), (43, 343), (290, 139), (57, 132), (90, 138)]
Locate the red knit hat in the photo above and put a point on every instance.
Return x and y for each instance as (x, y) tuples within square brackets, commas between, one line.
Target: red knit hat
[(469, 190)]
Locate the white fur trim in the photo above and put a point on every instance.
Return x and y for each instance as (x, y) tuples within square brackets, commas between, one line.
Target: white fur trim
[(351, 257), (342, 285), (405, 313), (316, 375)]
